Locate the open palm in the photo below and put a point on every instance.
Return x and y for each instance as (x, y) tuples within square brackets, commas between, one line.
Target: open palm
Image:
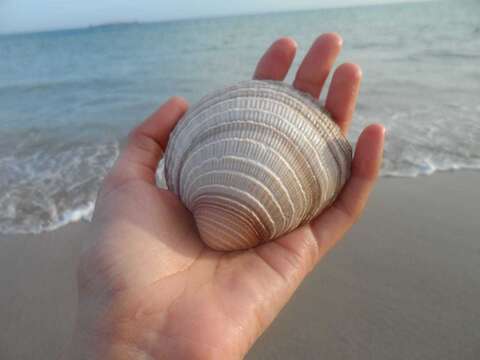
[(149, 288)]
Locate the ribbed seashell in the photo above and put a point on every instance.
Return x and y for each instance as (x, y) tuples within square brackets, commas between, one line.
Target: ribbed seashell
[(254, 161)]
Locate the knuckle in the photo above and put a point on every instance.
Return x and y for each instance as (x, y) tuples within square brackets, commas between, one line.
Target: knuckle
[(143, 142), (309, 86), (352, 214)]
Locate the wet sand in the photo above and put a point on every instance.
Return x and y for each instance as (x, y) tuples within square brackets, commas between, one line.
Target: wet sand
[(404, 284)]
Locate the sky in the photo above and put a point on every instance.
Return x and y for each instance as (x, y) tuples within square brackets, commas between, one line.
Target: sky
[(35, 15)]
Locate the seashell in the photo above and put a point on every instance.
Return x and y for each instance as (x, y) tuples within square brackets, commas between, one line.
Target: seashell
[(255, 161)]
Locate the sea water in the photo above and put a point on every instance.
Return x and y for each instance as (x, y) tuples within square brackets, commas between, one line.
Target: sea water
[(67, 98)]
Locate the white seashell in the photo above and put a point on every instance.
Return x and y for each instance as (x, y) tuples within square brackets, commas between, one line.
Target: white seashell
[(254, 161)]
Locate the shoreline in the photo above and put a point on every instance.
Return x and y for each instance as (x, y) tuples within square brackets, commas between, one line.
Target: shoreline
[(404, 283), (84, 213)]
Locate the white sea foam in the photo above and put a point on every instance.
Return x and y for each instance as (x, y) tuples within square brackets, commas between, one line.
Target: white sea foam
[(44, 189), (69, 216)]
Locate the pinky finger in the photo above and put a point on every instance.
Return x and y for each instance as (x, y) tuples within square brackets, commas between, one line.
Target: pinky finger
[(334, 222)]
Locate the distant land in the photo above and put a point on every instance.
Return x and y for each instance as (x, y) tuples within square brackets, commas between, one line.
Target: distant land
[(112, 24)]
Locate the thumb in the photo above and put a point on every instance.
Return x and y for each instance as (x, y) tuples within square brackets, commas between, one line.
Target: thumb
[(145, 146)]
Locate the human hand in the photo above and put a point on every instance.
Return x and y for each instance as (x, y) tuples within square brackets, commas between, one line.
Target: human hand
[(150, 289)]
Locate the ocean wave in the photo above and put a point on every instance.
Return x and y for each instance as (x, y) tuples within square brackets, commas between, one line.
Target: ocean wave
[(70, 216), (30, 223), (51, 186), (416, 146), (428, 168)]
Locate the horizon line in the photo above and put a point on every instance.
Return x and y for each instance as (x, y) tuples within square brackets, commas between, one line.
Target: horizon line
[(207, 17)]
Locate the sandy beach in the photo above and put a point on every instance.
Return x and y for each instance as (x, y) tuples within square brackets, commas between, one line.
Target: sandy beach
[(404, 284)]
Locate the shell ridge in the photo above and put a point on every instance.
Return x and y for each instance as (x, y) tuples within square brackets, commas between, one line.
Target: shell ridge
[(295, 146), (252, 179), (239, 207), (224, 241), (295, 107), (251, 163), (242, 194), (231, 211), (278, 156), (227, 226)]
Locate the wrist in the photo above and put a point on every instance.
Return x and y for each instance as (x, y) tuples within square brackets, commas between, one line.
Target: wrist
[(89, 337), (116, 340)]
